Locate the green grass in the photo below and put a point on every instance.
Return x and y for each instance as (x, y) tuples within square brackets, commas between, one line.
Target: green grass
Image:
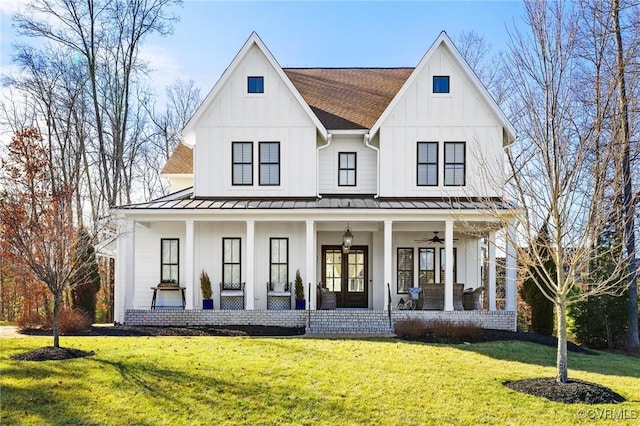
[(270, 381)]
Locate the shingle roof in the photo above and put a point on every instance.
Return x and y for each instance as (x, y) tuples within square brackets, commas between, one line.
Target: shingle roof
[(180, 161), (348, 98)]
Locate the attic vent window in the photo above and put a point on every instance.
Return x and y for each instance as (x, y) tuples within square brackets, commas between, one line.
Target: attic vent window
[(255, 84), (440, 84)]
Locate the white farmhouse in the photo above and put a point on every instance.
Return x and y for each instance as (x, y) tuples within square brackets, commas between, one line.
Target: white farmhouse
[(370, 181)]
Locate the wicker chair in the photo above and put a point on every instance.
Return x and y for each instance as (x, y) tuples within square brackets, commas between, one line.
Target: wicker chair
[(326, 299), (278, 296), (472, 299)]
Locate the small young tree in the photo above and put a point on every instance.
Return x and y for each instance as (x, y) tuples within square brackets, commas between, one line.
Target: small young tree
[(552, 176), (36, 219)]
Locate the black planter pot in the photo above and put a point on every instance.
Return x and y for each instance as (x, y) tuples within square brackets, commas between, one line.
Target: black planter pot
[(207, 303), (300, 305)]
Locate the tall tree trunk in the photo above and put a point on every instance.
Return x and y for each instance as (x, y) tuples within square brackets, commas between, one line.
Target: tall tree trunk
[(627, 187), (56, 320), (561, 357)]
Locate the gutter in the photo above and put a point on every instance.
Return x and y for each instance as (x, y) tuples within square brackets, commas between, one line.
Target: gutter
[(367, 142), (328, 138)]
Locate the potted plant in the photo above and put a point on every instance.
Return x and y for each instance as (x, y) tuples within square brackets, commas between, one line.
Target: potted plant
[(205, 287), (300, 302)]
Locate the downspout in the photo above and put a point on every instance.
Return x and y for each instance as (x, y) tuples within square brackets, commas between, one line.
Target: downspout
[(329, 139), (366, 140)]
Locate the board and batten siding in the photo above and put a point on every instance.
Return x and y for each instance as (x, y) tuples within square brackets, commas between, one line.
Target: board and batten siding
[(147, 262), (366, 166), (459, 116), (237, 116)]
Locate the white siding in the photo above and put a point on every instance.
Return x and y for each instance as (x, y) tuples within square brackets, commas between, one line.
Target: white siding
[(459, 116), (237, 116), (366, 166)]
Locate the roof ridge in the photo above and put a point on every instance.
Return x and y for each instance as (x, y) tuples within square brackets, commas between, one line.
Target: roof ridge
[(348, 68)]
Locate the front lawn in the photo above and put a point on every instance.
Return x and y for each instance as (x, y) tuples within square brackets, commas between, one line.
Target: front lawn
[(222, 380)]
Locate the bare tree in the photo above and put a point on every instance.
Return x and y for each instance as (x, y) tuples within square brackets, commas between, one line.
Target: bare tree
[(551, 169)]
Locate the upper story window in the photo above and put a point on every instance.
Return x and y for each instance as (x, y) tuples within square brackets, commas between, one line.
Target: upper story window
[(269, 163), (454, 163), (347, 169), (440, 84), (242, 163), (255, 84), (427, 164), (169, 256)]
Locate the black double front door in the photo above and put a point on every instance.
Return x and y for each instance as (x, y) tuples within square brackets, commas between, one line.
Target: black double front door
[(346, 275)]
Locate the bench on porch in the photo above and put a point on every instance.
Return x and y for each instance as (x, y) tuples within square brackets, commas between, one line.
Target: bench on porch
[(278, 296), (232, 296)]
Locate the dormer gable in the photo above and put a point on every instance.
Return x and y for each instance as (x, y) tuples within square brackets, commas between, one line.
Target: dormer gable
[(444, 42), (253, 42)]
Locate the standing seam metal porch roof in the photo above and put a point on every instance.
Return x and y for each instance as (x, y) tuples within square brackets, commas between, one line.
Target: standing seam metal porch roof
[(184, 200)]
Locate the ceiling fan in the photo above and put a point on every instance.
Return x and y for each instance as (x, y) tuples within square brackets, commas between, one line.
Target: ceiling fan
[(434, 239)]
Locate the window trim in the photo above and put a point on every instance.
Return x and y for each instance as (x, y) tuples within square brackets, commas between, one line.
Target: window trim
[(271, 264), (233, 163), (418, 163), (433, 84), (355, 168), (412, 270), (232, 263), (162, 278), (260, 163), (443, 267), (463, 164), (249, 77)]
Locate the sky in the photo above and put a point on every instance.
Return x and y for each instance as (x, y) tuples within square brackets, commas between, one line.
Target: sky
[(304, 33)]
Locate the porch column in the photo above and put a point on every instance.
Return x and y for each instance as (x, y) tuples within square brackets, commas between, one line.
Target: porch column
[(510, 270), (189, 256), (388, 263), (491, 273), (124, 285), (310, 263), (448, 266), (250, 284)]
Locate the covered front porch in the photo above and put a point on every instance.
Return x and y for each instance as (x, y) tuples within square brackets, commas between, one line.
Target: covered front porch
[(389, 254)]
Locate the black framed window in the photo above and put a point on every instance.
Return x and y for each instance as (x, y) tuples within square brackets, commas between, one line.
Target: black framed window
[(347, 169), (255, 84), (169, 260), (242, 163), (405, 269), (443, 259), (440, 84), (426, 265), (269, 163), (427, 172), (231, 266), (279, 263), (454, 163)]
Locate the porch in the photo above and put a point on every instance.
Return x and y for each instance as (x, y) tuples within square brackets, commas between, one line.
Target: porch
[(340, 321)]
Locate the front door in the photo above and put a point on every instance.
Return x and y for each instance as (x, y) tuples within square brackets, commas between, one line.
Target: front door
[(346, 275)]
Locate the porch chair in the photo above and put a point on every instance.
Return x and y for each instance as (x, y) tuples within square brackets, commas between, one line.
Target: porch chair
[(472, 299), (326, 299), (232, 296), (278, 296)]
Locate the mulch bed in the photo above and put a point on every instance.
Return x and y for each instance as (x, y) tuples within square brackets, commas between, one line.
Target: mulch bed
[(572, 392), (133, 331), (50, 353)]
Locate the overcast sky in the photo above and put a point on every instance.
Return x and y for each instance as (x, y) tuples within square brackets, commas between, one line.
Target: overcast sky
[(305, 34)]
